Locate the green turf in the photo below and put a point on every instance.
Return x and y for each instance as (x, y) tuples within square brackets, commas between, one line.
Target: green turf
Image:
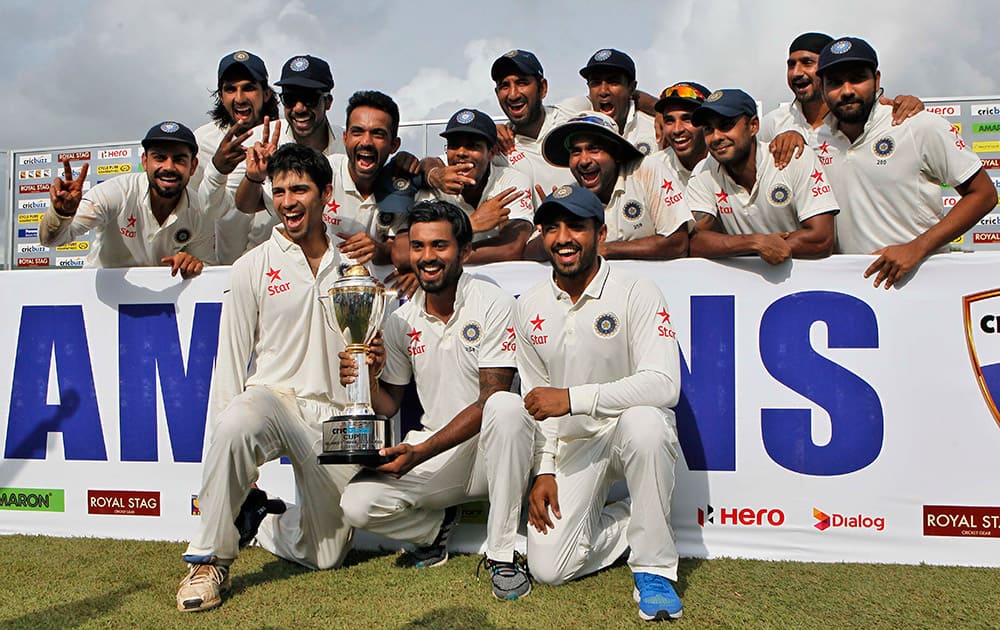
[(91, 583)]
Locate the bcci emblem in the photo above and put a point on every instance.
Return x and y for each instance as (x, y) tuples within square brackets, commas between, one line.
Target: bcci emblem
[(241, 56), (643, 148), (385, 219), (632, 210), (562, 191), (780, 195), (299, 64), (510, 54), (465, 117), (884, 147), (602, 55), (471, 333), (606, 325), (840, 47), (982, 333), (182, 235), (400, 183), (714, 96), (169, 127)]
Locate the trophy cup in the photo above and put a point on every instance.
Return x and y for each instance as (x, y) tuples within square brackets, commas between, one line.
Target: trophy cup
[(354, 307)]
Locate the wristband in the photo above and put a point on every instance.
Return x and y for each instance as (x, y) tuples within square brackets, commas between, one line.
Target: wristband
[(250, 179)]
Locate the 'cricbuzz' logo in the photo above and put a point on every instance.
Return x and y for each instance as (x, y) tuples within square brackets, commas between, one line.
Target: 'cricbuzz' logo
[(32, 499)]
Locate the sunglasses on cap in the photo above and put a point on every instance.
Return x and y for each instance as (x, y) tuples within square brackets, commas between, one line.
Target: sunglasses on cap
[(683, 90), (308, 99)]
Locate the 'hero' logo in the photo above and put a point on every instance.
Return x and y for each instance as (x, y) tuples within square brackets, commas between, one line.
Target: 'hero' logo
[(745, 517)]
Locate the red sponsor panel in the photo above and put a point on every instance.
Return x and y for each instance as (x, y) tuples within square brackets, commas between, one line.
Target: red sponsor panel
[(962, 520), (27, 189), (32, 262), (76, 155), (991, 162), (986, 237), (123, 502)]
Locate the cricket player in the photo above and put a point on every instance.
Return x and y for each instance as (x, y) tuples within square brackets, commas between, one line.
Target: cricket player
[(275, 383), (455, 339), (600, 371), (746, 205)]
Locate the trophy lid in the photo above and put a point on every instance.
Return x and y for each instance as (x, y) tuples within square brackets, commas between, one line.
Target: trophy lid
[(355, 277), (355, 271)]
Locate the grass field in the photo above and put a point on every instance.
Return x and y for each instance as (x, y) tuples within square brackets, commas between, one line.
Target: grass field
[(92, 583)]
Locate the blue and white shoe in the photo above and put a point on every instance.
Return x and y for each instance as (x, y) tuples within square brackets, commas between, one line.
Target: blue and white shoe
[(656, 597)]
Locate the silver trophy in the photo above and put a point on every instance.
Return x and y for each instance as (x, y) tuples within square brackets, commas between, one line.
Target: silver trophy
[(354, 308)]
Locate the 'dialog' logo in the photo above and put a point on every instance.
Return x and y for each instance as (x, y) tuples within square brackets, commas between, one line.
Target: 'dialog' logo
[(981, 313)]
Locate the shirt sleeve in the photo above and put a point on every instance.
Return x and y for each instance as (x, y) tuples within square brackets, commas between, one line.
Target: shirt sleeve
[(496, 349), (698, 196), (237, 334), (947, 159), (653, 342), (531, 369), (97, 206), (397, 370), (664, 193), (523, 207)]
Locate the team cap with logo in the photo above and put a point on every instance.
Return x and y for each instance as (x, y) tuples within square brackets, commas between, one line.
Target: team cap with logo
[(555, 144), (609, 58), (395, 193), (516, 62), (574, 199), (846, 50), (686, 94), (306, 71), (471, 121), (170, 131), (249, 61), (726, 103)]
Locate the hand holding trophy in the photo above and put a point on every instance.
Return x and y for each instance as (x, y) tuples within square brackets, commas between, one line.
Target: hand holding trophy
[(354, 308)]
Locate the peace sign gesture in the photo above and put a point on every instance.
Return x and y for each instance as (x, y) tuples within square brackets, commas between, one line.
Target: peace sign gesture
[(231, 152), (259, 154), (65, 194)]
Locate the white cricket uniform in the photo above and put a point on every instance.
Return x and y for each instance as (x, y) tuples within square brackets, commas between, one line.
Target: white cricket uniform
[(217, 195), (648, 199), (126, 234), (350, 211), (786, 117), (889, 180), (527, 157), (272, 321), (617, 353), (445, 360), (498, 180), (218, 190), (668, 157), (640, 127), (780, 200)]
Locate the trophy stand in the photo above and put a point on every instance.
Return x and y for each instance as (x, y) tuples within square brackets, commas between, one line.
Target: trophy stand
[(354, 308)]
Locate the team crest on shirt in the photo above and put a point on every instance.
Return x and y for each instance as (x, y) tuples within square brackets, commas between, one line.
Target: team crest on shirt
[(169, 127), (241, 56), (182, 236), (299, 64), (839, 48), (780, 195), (643, 147), (465, 117), (602, 55), (472, 333), (883, 147), (632, 210), (606, 325)]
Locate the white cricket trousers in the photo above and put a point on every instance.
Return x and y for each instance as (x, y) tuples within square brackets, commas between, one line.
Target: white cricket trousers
[(641, 447), (495, 464), (260, 425)]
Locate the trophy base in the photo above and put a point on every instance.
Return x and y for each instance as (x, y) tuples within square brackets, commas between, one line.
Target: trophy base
[(356, 439)]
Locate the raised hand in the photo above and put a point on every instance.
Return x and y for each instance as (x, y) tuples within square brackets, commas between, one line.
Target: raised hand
[(493, 213), (231, 150), (260, 153), (66, 193)]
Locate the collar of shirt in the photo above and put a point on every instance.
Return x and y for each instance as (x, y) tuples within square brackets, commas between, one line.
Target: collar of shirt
[(420, 299), (183, 203), (632, 120), (594, 289)]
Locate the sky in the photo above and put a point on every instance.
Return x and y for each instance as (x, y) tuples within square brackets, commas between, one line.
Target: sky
[(85, 72)]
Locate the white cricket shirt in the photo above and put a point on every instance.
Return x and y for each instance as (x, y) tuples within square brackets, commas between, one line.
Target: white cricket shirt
[(648, 199)]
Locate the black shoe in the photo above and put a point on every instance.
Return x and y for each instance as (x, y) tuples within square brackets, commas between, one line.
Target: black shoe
[(252, 513), (436, 553)]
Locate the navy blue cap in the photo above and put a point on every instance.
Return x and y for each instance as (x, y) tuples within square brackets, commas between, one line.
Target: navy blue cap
[(611, 59), (687, 94), (516, 62), (725, 103), (574, 199), (846, 50), (471, 121), (555, 144), (306, 71), (170, 131), (249, 61), (394, 192)]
